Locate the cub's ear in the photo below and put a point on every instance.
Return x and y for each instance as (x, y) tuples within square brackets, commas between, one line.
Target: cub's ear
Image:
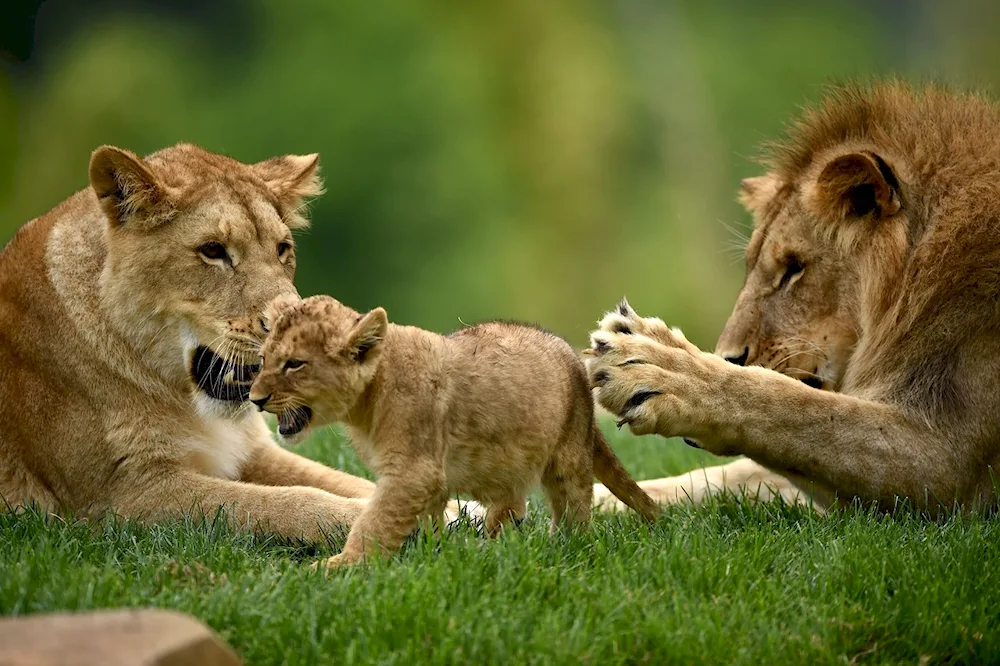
[(292, 178), (368, 335), (129, 192), (757, 192), (854, 186), (277, 307)]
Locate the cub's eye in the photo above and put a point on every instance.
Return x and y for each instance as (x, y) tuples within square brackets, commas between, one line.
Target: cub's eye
[(284, 247), (292, 364), (793, 268), (213, 251)]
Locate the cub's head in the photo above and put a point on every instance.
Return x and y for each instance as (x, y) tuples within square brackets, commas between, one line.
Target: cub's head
[(817, 229), (198, 245), (317, 361)]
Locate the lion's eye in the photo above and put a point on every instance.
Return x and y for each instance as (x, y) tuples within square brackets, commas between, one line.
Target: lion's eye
[(292, 364), (284, 247), (213, 251), (793, 267)]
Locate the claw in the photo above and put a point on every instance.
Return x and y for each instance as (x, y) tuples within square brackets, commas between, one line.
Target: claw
[(601, 347), (624, 309), (620, 423)]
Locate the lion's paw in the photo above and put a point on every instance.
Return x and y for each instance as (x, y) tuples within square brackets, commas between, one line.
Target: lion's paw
[(626, 321)]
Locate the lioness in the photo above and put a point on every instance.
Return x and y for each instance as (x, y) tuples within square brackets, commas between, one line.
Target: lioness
[(489, 410), (127, 314), (873, 273)]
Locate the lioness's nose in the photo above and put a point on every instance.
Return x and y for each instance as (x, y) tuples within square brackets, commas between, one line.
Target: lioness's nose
[(737, 359), (260, 402)]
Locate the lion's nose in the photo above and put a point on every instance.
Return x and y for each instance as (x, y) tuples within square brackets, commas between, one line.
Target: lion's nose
[(260, 402), (738, 360)]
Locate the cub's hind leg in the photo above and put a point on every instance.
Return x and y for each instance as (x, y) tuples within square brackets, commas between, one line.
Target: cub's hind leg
[(568, 481), (504, 513)]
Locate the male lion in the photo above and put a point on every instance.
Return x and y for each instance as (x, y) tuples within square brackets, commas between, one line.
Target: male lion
[(127, 314), (873, 273)]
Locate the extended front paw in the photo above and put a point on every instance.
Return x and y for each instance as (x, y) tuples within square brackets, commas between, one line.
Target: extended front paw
[(625, 320), (656, 388), (635, 394)]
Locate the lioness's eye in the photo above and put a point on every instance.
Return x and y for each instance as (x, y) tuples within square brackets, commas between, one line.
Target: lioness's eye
[(792, 268), (284, 247), (293, 364), (214, 251)]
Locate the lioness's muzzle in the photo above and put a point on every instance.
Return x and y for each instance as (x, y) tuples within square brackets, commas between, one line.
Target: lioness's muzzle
[(209, 371)]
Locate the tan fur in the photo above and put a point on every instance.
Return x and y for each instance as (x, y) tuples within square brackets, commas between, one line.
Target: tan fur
[(491, 410), (884, 202), (103, 301)]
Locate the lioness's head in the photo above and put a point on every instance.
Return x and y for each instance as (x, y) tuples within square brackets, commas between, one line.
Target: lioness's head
[(198, 244), (797, 310), (317, 361)]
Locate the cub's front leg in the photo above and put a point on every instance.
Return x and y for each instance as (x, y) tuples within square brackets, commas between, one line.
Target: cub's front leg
[(401, 499)]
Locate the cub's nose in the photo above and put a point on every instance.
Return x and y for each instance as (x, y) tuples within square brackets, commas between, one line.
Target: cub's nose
[(737, 359), (260, 402)]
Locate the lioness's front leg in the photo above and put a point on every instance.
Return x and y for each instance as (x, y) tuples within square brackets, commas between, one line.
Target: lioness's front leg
[(393, 513), (294, 512), (272, 465), (859, 448)]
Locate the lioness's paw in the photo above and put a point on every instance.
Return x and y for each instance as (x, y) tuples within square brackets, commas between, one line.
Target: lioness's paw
[(456, 510)]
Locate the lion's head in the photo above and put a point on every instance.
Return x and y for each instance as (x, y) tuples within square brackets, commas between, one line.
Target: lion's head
[(795, 312), (198, 245), (317, 361)]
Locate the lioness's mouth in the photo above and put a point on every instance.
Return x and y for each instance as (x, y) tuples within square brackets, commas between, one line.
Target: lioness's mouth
[(293, 421), (220, 378)]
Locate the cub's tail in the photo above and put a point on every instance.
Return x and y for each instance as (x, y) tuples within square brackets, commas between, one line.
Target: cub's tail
[(609, 471)]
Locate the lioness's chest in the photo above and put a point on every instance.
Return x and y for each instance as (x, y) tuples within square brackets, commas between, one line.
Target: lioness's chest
[(221, 449)]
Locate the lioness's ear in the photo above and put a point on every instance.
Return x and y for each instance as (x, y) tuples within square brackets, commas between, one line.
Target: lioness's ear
[(856, 185), (367, 335), (128, 191), (292, 179)]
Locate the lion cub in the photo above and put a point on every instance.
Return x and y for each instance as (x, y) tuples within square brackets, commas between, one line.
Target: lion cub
[(491, 410)]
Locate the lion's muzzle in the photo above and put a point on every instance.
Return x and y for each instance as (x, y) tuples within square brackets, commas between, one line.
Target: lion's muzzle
[(219, 378)]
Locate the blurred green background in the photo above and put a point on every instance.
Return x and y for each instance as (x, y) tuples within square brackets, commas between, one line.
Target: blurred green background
[(530, 159)]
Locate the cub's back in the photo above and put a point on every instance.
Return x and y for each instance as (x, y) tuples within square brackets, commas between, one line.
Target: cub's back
[(508, 379)]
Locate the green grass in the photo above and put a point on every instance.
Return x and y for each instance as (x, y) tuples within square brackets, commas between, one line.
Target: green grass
[(722, 583)]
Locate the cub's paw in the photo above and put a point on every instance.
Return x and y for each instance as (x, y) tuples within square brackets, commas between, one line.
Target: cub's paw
[(625, 320), (338, 561)]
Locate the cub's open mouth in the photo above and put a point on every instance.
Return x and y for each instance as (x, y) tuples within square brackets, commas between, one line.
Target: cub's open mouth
[(293, 421), (219, 378)]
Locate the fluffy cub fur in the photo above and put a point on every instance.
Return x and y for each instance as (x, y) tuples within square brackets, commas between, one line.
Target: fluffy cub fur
[(490, 410)]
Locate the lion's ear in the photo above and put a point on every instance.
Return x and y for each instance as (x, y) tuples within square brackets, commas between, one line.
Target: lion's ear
[(127, 189), (757, 192), (856, 185), (292, 179), (368, 335)]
